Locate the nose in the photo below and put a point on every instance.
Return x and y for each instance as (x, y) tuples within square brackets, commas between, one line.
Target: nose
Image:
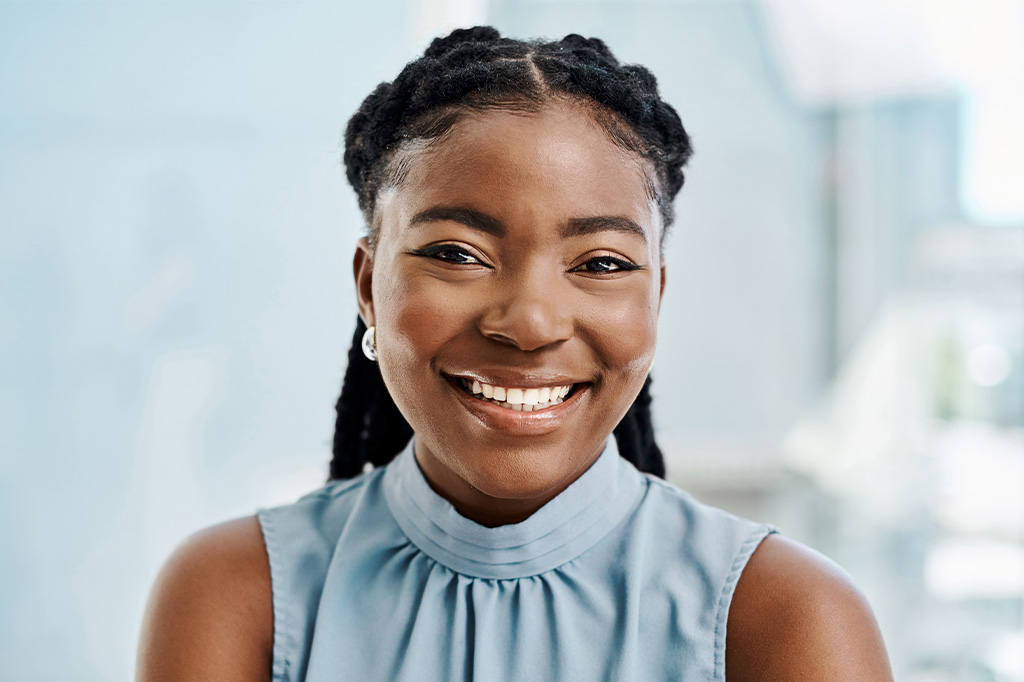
[(530, 312)]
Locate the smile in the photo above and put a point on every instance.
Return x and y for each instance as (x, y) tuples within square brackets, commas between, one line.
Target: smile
[(516, 399)]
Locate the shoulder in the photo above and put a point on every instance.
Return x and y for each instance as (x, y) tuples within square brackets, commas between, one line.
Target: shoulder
[(210, 612), (307, 531), (703, 532), (795, 615)]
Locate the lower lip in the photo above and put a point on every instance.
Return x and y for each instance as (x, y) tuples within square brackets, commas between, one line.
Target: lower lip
[(493, 416)]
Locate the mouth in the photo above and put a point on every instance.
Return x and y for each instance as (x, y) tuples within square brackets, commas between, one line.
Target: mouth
[(517, 399)]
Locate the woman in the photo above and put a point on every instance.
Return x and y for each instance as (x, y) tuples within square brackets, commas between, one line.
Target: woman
[(517, 196)]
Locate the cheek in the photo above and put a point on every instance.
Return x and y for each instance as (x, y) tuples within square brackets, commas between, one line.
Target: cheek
[(415, 317), (411, 327), (625, 333)]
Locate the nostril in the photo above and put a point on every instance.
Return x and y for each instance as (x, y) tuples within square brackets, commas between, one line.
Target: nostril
[(529, 317), (501, 338), (524, 333)]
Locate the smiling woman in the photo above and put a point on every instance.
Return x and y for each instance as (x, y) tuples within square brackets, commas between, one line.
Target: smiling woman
[(517, 196), (522, 252)]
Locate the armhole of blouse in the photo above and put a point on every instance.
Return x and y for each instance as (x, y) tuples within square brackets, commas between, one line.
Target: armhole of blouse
[(280, 667), (743, 555)]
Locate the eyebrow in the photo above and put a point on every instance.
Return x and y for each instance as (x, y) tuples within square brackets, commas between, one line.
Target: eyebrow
[(575, 227), (581, 226), (465, 216)]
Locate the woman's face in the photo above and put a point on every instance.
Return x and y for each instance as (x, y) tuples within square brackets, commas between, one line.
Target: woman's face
[(519, 255)]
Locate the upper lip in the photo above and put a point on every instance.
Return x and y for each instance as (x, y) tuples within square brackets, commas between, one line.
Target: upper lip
[(514, 379)]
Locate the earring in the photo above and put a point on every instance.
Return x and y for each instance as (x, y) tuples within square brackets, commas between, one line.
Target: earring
[(370, 344)]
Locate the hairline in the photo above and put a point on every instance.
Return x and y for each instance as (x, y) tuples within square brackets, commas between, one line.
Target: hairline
[(395, 163)]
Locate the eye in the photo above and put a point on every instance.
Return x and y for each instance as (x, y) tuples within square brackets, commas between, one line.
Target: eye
[(604, 265), (448, 253)]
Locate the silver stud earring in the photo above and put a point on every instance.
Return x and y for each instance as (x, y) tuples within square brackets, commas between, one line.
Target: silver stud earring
[(370, 344)]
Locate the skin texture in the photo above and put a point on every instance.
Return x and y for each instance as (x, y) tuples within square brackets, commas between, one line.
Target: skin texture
[(523, 305), (796, 616), (486, 266), (210, 614)]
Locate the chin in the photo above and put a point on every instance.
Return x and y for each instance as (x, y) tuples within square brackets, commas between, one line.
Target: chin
[(520, 474)]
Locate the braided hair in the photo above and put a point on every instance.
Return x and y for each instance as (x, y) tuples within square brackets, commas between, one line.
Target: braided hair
[(477, 69)]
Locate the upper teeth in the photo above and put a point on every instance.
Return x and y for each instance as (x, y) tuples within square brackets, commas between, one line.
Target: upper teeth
[(520, 396)]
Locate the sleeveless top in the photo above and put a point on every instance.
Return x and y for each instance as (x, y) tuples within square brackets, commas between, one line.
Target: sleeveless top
[(622, 576)]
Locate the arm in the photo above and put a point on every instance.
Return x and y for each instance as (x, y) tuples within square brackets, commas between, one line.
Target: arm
[(796, 616), (210, 613)]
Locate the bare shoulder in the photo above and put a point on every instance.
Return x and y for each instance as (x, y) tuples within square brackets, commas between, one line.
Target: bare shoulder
[(210, 611), (796, 615)]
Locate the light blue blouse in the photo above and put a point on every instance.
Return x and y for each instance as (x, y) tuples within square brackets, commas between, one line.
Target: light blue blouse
[(620, 577)]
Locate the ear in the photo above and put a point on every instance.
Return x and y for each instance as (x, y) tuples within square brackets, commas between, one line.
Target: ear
[(362, 270), (661, 290)]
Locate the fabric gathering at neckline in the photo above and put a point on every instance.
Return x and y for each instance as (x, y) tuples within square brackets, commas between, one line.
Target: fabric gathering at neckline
[(563, 529)]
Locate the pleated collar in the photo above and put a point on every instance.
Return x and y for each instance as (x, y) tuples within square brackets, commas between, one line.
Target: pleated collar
[(564, 528)]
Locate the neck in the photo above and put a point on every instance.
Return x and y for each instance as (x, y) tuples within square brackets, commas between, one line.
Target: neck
[(488, 509)]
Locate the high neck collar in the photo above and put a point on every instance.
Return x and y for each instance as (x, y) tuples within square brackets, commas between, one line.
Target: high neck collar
[(565, 527)]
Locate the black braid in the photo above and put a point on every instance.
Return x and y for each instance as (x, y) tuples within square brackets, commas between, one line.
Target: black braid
[(635, 435), (478, 69), (369, 428)]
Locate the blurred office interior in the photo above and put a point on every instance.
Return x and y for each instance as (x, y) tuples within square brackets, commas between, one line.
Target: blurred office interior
[(841, 348)]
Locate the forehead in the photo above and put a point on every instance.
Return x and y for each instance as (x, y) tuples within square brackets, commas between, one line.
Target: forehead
[(558, 163)]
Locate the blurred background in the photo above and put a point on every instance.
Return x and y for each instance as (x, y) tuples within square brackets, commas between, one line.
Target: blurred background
[(842, 337)]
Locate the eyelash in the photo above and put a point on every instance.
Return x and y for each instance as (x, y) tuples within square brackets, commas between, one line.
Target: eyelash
[(620, 265), (438, 251)]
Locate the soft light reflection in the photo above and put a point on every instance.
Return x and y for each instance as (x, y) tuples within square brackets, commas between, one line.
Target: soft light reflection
[(989, 364), (975, 569)]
